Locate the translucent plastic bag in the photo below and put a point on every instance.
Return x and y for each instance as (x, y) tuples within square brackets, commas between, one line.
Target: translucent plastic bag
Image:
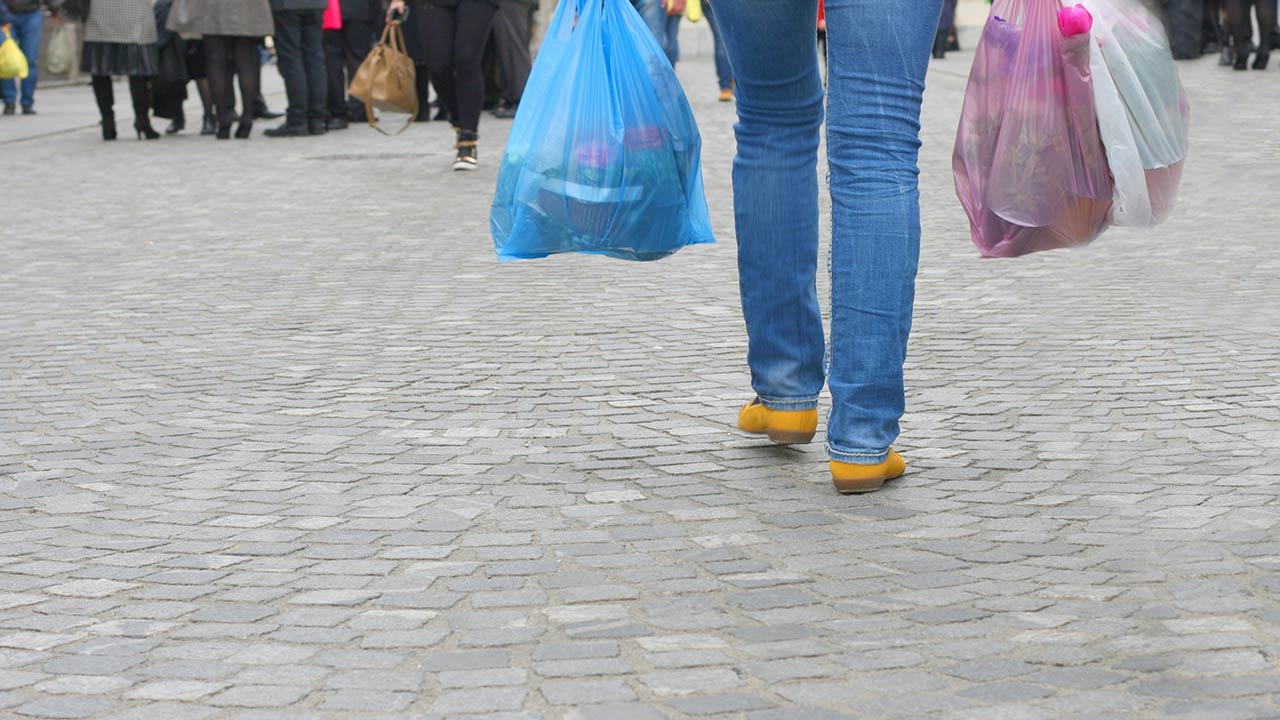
[(604, 155), (1029, 166), (58, 57), (1143, 114)]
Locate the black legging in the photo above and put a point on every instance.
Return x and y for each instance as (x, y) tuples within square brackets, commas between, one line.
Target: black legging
[(221, 52), (1242, 24), (455, 39)]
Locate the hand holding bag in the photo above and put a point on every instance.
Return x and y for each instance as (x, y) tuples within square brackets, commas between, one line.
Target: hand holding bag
[(385, 80)]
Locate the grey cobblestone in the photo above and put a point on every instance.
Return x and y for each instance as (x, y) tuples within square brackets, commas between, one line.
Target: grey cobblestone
[(275, 452)]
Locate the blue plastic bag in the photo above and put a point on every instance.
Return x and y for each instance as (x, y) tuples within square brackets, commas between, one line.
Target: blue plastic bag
[(604, 155)]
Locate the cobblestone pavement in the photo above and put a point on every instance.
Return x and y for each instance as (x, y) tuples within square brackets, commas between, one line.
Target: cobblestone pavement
[(280, 439)]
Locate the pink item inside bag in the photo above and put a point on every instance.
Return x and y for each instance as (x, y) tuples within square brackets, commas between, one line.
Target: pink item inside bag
[(1030, 168)]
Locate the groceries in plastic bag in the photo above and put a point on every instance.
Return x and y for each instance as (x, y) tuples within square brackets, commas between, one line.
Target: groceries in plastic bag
[(1143, 114), (13, 64), (604, 154), (1029, 165)]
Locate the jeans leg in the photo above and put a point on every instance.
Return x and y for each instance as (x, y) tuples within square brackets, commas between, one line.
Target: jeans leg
[(655, 17), (313, 63), (775, 181), (26, 33), (672, 46), (724, 75), (289, 61), (879, 54)]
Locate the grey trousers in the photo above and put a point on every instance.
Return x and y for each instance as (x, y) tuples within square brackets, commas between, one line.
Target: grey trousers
[(511, 43)]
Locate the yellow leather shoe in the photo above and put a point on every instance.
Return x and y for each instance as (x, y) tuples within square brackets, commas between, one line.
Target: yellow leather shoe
[(785, 427), (850, 478)]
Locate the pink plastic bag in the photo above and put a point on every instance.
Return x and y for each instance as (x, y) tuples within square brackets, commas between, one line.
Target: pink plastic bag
[(332, 16), (1029, 166)]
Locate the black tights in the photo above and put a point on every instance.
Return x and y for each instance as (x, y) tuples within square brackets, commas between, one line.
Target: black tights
[(221, 53), (1242, 24), (138, 92), (454, 39)]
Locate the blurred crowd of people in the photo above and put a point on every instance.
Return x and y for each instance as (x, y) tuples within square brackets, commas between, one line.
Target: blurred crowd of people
[(474, 54)]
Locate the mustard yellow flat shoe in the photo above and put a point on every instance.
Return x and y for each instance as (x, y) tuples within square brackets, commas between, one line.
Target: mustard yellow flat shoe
[(850, 478), (785, 427)]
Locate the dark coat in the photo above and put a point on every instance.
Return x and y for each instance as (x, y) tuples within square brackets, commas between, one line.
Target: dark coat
[(286, 5), (361, 9)]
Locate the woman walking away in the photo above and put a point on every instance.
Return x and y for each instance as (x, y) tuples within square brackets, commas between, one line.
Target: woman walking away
[(120, 39), (879, 53), (1242, 30), (231, 30), (454, 33)]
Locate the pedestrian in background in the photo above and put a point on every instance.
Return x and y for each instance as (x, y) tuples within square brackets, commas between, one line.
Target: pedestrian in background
[(344, 50), (299, 36), (877, 63), (120, 39), (724, 73), (511, 42), (26, 25), (1242, 31), (454, 33), (231, 30), (663, 19), (946, 26)]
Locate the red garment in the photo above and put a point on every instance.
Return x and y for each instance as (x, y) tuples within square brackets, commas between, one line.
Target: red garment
[(822, 12), (333, 16)]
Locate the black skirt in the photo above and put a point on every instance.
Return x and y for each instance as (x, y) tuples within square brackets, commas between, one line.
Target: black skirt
[(104, 58)]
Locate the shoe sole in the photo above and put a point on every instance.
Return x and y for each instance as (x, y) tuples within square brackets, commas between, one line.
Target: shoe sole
[(861, 485), (790, 437), (464, 166)]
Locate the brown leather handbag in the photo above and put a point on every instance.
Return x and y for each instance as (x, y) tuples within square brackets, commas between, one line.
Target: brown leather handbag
[(385, 80)]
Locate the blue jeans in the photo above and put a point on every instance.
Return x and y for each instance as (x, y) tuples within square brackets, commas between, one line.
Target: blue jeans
[(724, 71), (879, 52), (665, 28), (26, 32)]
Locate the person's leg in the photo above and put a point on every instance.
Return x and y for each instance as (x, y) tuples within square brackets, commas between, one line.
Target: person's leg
[(470, 35), (724, 75), (140, 94), (437, 25), (313, 65), (217, 66), (248, 63), (672, 44), (104, 96), (879, 57), (511, 42), (27, 28), (289, 61), (775, 180), (655, 17), (335, 74), (1266, 12), (357, 42)]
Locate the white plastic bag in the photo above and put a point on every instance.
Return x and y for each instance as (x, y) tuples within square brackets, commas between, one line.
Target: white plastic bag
[(1143, 115)]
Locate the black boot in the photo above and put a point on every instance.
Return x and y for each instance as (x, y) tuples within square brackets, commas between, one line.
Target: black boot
[(940, 45), (177, 125), (1260, 60), (141, 96), (105, 97)]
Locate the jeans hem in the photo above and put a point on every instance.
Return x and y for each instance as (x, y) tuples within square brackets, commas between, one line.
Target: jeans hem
[(857, 458), (789, 404)]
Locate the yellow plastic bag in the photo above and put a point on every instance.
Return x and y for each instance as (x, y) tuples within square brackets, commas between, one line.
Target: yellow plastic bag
[(13, 64), (693, 10)]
